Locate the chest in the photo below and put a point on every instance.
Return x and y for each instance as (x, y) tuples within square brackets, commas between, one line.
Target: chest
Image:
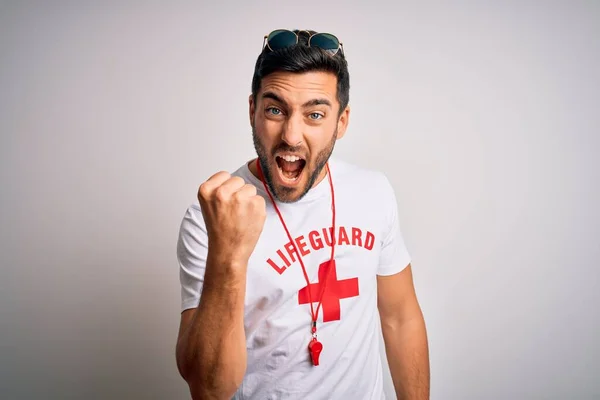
[(292, 270)]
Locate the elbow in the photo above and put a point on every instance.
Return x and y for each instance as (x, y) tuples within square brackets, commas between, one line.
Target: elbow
[(202, 391), (390, 324), (396, 322), (206, 382), (209, 387), (185, 364)]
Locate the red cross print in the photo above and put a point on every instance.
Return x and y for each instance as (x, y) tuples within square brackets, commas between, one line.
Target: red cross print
[(334, 291)]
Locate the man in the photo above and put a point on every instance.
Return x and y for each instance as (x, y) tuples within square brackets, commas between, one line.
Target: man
[(285, 263)]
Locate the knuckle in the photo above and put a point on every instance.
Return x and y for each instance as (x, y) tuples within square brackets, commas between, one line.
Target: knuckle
[(245, 193), (204, 190), (250, 188), (224, 175), (237, 181), (221, 194), (218, 179), (260, 204)]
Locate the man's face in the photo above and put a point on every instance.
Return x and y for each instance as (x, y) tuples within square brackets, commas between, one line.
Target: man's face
[(295, 124)]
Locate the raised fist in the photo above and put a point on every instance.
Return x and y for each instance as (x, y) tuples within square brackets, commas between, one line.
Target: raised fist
[(234, 216)]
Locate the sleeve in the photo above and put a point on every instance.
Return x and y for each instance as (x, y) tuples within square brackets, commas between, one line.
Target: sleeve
[(192, 249), (394, 255)]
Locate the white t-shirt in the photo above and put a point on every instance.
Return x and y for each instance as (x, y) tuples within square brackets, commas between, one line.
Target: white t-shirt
[(277, 316)]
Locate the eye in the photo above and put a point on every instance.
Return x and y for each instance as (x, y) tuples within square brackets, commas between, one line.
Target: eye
[(315, 115), (273, 111)]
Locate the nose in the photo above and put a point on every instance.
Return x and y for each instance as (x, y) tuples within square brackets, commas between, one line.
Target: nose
[(292, 130)]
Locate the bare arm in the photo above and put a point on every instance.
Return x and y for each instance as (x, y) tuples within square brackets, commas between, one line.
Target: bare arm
[(404, 335), (211, 348), (211, 345)]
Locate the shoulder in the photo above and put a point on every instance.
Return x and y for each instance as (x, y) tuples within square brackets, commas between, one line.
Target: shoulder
[(360, 177)]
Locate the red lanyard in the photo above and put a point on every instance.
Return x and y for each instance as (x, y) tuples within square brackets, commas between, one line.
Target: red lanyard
[(315, 315)]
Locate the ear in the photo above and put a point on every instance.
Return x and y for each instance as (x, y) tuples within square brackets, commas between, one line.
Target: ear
[(342, 123), (251, 108)]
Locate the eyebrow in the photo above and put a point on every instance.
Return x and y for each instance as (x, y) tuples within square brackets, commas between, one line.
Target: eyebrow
[(316, 102), (310, 103)]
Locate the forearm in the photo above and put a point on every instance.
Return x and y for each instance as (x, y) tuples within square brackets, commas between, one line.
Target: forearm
[(408, 357), (212, 352)]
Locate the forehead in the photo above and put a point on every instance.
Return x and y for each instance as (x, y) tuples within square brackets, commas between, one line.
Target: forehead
[(298, 88)]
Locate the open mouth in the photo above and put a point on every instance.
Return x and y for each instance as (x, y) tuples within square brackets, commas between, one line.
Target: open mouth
[(290, 167)]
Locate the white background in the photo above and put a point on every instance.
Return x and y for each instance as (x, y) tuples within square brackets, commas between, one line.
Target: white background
[(485, 116)]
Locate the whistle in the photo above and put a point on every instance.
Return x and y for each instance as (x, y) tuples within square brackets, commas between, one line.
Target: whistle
[(315, 347)]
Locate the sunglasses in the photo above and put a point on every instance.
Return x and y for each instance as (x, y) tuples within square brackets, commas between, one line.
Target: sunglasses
[(282, 38)]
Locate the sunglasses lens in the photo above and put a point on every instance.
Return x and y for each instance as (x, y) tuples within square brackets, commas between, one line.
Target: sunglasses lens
[(325, 41), (280, 39)]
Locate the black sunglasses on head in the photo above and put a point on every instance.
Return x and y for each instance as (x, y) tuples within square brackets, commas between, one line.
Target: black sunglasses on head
[(282, 38)]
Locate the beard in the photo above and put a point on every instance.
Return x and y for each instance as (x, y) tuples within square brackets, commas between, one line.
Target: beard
[(282, 193)]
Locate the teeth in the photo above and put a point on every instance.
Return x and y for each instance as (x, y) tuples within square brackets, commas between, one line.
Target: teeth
[(290, 158)]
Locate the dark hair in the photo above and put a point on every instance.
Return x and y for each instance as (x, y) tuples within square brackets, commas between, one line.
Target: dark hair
[(301, 58)]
